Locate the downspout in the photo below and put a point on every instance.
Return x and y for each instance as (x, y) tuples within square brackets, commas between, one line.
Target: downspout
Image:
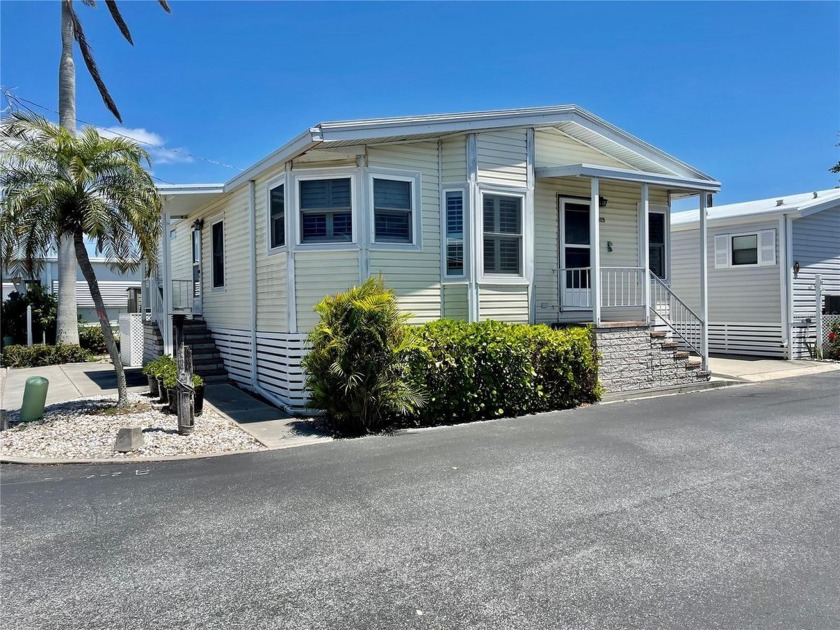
[(252, 260), (784, 289)]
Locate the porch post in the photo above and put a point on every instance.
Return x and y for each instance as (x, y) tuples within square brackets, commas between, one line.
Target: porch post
[(644, 249), (144, 290), (704, 284), (595, 252), (166, 272)]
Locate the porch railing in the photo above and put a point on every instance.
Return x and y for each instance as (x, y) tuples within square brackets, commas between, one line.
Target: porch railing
[(183, 295), (670, 312), (154, 290), (574, 287), (622, 286)]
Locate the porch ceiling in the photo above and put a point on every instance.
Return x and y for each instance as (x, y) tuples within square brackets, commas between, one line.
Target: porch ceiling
[(180, 201), (673, 182)]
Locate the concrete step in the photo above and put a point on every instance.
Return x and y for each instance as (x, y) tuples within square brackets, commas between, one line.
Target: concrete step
[(658, 334), (669, 345), (681, 354), (693, 364)]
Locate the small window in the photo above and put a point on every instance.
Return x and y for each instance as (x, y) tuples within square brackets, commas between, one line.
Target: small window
[(218, 254), (454, 233), (756, 249), (502, 235), (326, 211), (745, 250), (656, 243), (277, 216), (392, 216)]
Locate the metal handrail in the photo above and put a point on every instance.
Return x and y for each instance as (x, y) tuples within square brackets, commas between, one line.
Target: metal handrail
[(676, 314)]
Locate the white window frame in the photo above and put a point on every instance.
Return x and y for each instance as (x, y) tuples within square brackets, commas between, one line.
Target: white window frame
[(444, 274), (280, 180), (296, 224), (222, 287), (729, 243), (415, 179), (500, 278)]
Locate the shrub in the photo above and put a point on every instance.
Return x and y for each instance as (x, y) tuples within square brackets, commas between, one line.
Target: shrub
[(492, 369), (357, 370), (44, 310), (92, 339), (37, 356), (157, 367)]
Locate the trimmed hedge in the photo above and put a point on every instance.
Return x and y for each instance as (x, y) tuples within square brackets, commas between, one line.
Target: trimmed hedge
[(492, 369), (91, 338), (38, 356)]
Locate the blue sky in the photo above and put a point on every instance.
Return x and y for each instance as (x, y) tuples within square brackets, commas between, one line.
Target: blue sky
[(747, 92)]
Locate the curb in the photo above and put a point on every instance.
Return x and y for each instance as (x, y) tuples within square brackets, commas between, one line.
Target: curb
[(119, 460), (667, 391)]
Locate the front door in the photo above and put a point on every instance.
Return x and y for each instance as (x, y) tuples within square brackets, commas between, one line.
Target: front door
[(574, 253), (196, 270)]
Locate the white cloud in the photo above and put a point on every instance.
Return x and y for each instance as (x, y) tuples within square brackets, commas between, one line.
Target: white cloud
[(153, 143)]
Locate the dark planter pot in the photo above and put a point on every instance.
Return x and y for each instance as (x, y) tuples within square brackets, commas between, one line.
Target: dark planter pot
[(199, 400), (173, 400), (162, 392), (154, 390)]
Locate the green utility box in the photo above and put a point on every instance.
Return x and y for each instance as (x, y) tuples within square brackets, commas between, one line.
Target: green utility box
[(34, 398)]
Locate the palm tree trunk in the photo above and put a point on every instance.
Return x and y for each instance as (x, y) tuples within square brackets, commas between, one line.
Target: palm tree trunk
[(67, 325), (110, 343)]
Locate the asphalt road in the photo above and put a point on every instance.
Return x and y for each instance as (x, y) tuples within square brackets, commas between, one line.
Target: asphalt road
[(718, 509)]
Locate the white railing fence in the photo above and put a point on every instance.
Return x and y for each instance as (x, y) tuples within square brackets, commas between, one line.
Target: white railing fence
[(671, 313), (622, 286), (574, 287), (183, 295)]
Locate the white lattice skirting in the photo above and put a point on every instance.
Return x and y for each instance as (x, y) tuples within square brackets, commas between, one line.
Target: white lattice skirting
[(131, 339)]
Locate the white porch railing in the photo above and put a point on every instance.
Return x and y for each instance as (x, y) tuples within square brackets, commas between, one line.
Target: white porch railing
[(184, 293), (620, 287), (670, 312), (153, 289), (574, 288)]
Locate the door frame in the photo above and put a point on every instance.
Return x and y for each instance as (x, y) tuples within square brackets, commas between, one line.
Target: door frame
[(196, 251), (562, 200)]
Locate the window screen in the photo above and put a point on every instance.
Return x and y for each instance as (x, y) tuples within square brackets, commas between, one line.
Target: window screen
[(277, 217), (218, 254), (454, 233), (326, 211), (392, 216), (502, 235)]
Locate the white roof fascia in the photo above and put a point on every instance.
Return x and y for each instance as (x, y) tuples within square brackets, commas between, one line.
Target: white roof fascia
[(818, 205), (603, 172), (190, 189), (302, 143), (745, 219)]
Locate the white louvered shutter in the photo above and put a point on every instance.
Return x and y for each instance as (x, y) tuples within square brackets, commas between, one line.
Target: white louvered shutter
[(722, 251), (767, 247)]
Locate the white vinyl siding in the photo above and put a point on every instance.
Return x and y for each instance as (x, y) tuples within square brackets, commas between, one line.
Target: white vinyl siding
[(455, 303), (816, 247), (413, 274), (504, 303), (271, 279), (556, 149), (453, 159), (502, 157), (318, 274)]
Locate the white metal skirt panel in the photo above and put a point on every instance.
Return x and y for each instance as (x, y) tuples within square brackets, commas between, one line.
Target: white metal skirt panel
[(750, 339), (279, 356)]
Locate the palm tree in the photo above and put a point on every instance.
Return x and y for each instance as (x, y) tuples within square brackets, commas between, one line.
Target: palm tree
[(54, 185), (71, 29)]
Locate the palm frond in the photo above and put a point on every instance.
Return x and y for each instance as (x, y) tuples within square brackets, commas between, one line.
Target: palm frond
[(118, 19)]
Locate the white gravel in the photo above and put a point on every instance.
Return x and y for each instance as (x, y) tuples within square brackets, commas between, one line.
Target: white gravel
[(78, 430)]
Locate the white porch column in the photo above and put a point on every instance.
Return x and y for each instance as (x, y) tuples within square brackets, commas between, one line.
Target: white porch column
[(166, 272), (704, 284), (595, 252), (144, 290), (644, 249)]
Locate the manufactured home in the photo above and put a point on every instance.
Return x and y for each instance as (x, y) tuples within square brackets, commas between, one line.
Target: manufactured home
[(763, 261), (546, 215)]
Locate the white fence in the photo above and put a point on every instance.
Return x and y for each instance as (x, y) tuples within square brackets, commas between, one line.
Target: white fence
[(131, 339)]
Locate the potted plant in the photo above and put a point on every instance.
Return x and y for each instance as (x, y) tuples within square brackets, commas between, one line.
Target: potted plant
[(198, 386), (165, 366), (170, 383), (150, 370)]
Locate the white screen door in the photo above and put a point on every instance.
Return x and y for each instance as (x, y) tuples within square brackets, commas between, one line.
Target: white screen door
[(196, 270), (574, 253)]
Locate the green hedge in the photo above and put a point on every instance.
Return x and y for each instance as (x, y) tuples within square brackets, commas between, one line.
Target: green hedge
[(37, 356), (492, 369), (91, 338)]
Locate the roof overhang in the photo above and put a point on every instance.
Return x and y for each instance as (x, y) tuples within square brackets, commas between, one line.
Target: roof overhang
[(180, 200), (674, 182)]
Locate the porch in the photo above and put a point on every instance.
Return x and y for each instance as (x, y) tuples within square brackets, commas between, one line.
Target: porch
[(602, 251)]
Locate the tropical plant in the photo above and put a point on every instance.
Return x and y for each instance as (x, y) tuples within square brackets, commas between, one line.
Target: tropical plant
[(13, 314), (71, 29), (356, 368), (55, 185)]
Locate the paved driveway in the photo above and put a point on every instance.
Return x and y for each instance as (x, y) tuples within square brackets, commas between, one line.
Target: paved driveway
[(717, 509)]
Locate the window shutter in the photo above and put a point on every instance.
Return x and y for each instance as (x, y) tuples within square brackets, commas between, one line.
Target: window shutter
[(767, 247), (722, 251)]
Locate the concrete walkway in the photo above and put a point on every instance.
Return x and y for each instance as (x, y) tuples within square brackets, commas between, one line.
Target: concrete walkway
[(265, 422), (755, 370)]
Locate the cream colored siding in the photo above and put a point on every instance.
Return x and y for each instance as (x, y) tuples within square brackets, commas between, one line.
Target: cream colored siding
[(455, 304), (545, 250), (181, 250), (504, 303), (502, 157), (556, 149), (413, 275), (272, 278), (816, 247), (318, 274), (453, 156)]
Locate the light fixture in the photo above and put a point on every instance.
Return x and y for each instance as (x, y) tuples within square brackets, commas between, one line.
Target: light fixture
[(796, 268), (198, 224), (602, 202)]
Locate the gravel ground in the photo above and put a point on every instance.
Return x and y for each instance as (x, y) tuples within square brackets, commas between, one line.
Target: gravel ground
[(80, 429)]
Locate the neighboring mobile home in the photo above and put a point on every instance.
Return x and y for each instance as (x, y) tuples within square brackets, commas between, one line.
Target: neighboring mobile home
[(546, 215), (763, 259)]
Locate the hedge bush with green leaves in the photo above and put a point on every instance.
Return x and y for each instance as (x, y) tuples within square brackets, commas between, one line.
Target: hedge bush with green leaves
[(357, 370), (492, 369), (38, 356), (92, 339), (44, 313)]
